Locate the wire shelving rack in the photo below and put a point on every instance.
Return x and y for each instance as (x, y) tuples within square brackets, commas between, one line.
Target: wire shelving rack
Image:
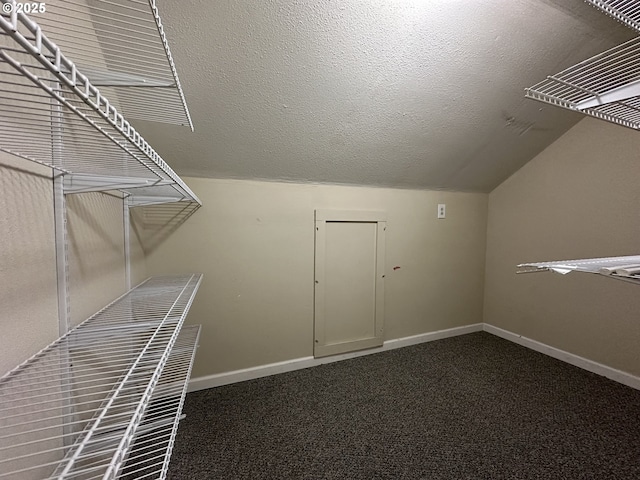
[(53, 114), (104, 400), (606, 86)]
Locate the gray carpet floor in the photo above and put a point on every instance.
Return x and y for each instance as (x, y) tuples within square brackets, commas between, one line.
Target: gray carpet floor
[(469, 407)]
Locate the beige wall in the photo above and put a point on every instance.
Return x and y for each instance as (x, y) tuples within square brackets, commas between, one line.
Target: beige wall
[(28, 292), (96, 252), (579, 198), (137, 259), (254, 242), (29, 318)]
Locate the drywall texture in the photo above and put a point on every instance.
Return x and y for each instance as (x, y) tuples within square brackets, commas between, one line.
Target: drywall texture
[(254, 242), (408, 93), (579, 198)]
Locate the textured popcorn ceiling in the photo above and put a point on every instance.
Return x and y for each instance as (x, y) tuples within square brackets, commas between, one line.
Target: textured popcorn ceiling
[(405, 93)]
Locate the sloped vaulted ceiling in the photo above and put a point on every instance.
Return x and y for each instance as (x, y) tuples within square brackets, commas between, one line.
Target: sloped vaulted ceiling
[(401, 93)]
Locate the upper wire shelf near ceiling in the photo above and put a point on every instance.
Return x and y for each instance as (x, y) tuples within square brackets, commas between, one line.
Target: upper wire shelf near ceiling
[(625, 11), (120, 44), (625, 268), (606, 86), (52, 114)]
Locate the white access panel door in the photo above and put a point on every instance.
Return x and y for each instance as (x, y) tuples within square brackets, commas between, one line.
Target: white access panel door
[(349, 283)]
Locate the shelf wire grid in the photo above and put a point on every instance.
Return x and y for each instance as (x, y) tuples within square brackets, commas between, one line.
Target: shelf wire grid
[(606, 86), (121, 44), (51, 114), (626, 268), (151, 451), (625, 11), (108, 370)]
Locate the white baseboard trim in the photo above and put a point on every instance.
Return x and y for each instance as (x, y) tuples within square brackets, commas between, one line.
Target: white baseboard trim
[(581, 362), (226, 378)]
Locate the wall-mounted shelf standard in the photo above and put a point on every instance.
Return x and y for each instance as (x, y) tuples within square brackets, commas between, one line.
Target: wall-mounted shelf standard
[(52, 114), (621, 268), (103, 401)]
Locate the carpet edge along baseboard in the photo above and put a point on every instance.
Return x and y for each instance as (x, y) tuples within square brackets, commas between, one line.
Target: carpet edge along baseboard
[(611, 373), (226, 378), (235, 376)]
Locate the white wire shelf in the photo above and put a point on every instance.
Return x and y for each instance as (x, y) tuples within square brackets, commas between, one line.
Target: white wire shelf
[(621, 268), (606, 86), (150, 453), (120, 44), (625, 11), (103, 400), (51, 114)]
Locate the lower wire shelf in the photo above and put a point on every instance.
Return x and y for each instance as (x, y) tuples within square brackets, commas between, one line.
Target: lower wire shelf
[(104, 400), (150, 454), (625, 268)]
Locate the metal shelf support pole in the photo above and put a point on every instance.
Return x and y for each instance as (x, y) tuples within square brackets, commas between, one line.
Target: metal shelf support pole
[(126, 227)]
